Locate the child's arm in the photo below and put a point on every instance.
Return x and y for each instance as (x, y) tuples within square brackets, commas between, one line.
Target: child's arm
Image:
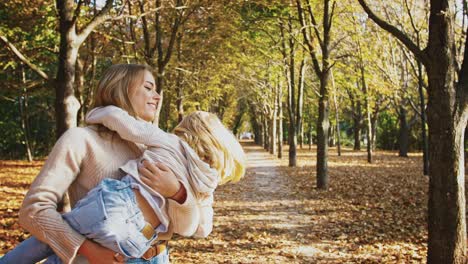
[(128, 127)]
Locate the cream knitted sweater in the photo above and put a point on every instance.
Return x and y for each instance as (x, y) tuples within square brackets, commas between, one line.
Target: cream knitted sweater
[(173, 152), (80, 159)]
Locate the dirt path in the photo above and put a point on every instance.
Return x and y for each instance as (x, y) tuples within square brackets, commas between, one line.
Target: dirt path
[(256, 220)]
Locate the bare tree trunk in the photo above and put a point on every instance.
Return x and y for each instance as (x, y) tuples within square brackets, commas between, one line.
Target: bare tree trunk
[(273, 138), (301, 136), (357, 124), (403, 138), (23, 104), (280, 121), (369, 123), (79, 84), (300, 101), (262, 133), (331, 136), (422, 109), (322, 69), (179, 87), (290, 76), (310, 137), (365, 89), (447, 114), (337, 118), (66, 104)]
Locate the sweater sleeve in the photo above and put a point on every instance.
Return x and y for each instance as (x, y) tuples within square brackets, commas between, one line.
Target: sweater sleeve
[(38, 213), (205, 225), (184, 217), (128, 127)]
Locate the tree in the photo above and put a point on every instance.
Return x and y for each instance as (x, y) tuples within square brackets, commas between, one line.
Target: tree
[(447, 115), (71, 38), (323, 72)]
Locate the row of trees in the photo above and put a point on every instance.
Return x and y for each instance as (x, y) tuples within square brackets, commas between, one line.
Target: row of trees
[(377, 70), (285, 69)]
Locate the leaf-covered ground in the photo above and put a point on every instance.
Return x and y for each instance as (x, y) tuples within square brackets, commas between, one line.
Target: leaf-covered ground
[(372, 213)]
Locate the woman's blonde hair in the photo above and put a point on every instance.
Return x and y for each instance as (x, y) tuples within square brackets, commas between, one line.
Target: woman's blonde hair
[(216, 145), (116, 84)]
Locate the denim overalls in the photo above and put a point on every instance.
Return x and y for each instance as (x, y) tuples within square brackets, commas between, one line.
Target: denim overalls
[(109, 215)]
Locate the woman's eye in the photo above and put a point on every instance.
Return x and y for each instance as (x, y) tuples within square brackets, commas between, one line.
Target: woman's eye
[(148, 88)]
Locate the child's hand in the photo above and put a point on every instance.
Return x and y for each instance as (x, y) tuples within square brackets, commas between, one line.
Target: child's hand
[(159, 178)]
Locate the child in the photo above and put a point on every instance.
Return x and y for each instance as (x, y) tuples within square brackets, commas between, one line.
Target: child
[(202, 154)]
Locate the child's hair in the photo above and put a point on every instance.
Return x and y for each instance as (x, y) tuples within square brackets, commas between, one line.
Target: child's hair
[(214, 143)]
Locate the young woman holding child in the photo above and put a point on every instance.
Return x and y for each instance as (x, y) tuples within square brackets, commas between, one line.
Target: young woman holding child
[(125, 206)]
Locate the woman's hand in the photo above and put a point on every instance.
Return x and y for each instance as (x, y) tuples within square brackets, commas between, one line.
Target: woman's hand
[(97, 254), (159, 178)]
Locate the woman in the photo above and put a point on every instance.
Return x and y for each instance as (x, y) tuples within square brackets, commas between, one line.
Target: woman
[(83, 157)]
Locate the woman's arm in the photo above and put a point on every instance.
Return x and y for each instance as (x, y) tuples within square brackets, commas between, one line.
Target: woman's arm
[(128, 127), (97, 254), (38, 213), (181, 203)]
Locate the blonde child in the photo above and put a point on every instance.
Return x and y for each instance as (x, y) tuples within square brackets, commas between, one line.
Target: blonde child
[(201, 153)]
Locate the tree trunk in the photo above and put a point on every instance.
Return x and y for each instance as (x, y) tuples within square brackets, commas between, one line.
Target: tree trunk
[(323, 124), (66, 104), (365, 90), (300, 101), (310, 138), (261, 133), (280, 122), (337, 118), (403, 138), (79, 84), (357, 125), (23, 104), (331, 136), (447, 224), (447, 116), (322, 69), (163, 56), (301, 136), (179, 87), (422, 109), (369, 134), (266, 129), (273, 138), (292, 133)]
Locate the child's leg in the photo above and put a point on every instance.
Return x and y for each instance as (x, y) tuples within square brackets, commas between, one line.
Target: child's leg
[(29, 251)]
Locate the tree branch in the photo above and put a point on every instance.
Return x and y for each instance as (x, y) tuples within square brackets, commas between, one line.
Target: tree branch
[(418, 53), (308, 40), (174, 30), (24, 59), (102, 16), (314, 23)]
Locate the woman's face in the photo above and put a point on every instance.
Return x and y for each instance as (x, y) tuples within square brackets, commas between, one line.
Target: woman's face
[(144, 98)]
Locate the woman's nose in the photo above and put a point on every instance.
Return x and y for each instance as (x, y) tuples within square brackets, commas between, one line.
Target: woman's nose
[(156, 95)]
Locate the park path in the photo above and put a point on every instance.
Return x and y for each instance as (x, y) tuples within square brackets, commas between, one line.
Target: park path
[(257, 220)]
